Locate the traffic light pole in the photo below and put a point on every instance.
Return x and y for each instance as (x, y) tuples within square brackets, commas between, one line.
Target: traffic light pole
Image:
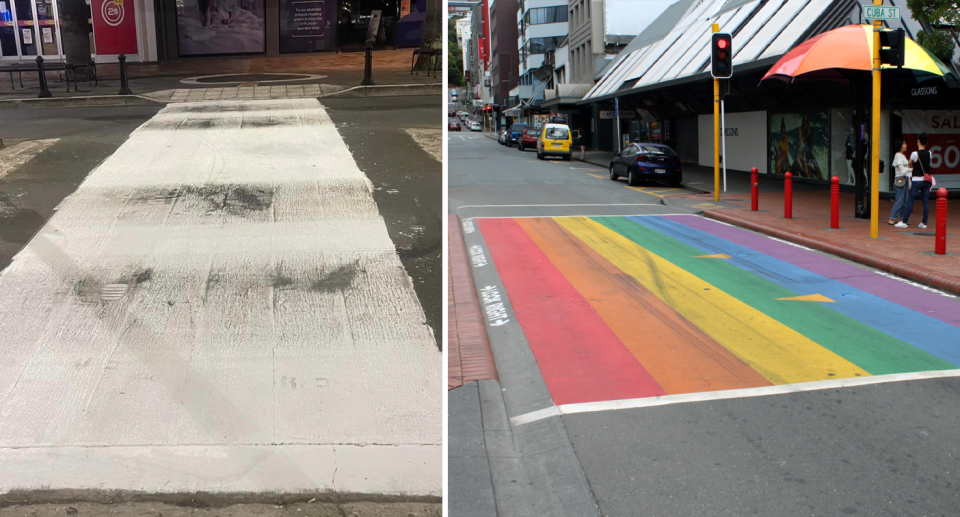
[(875, 133), (716, 131)]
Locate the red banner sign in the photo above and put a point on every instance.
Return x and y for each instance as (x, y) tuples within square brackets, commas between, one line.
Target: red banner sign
[(114, 27)]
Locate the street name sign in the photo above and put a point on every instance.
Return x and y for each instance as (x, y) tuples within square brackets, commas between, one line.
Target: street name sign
[(880, 12)]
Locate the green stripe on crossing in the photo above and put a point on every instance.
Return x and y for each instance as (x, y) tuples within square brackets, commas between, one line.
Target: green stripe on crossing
[(868, 348)]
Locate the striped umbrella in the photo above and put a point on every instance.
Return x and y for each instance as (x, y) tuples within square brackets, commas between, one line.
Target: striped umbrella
[(850, 48)]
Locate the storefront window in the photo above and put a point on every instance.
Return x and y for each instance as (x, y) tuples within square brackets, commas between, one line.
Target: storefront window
[(8, 30), (800, 144), (842, 145), (26, 28), (211, 27), (47, 27)]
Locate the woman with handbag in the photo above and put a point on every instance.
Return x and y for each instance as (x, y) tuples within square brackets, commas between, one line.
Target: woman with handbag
[(903, 173), (920, 183)]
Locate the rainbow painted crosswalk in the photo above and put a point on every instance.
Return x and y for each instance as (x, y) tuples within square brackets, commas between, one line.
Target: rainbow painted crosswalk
[(632, 307)]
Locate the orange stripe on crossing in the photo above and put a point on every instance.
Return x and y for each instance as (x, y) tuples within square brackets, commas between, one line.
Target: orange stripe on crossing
[(680, 356)]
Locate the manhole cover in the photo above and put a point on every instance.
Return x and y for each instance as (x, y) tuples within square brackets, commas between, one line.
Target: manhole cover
[(922, 234)]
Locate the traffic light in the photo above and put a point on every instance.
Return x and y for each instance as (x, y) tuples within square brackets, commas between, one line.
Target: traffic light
[(895, 41), (721, 56)]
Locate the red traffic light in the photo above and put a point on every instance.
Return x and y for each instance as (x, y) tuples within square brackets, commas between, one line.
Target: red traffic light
[(722, 43)]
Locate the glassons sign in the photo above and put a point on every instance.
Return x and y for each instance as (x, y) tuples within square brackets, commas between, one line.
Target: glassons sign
[(114, 26)]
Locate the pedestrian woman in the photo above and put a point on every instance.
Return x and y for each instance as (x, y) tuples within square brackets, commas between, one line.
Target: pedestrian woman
[(919, 187), (578, 142), (901, 181)]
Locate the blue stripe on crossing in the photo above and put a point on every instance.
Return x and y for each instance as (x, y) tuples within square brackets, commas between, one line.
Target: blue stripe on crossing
[(919, 330)]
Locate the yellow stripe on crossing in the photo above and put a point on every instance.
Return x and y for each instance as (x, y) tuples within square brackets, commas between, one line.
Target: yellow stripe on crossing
[(774, 350)]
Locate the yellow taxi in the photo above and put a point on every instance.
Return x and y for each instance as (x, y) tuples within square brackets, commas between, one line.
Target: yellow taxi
[(555, 140)]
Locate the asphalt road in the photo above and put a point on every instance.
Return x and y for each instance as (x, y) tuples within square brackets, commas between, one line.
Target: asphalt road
[(229, 264), (86, 136), (855, 449), (408, 181)]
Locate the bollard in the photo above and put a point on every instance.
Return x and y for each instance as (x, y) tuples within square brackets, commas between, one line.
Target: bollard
[(124, 87), (368, 67), (835, 203), (941, 246), (44, 91), (788, 196), (754, 190)]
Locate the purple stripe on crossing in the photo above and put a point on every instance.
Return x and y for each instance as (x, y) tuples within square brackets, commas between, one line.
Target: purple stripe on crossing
[(919, 300)]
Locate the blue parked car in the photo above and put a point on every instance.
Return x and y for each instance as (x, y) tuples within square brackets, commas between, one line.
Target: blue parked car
[(513, 134), (647, 162)]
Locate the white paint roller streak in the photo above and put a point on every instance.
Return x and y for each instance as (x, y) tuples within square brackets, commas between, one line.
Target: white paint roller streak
[(266, 328)]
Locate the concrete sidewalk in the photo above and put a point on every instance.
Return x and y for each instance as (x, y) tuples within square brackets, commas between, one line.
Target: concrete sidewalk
[(311, 75)]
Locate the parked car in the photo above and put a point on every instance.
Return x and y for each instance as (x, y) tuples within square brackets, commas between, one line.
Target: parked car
[(502, 138), (452, 114), (528, 139), (513, 134), (453, 126), (647, 162), (475, 126), (555, 140)]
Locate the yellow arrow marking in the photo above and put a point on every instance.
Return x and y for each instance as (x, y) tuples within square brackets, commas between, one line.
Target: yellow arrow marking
[(718, 255), (808, 298)]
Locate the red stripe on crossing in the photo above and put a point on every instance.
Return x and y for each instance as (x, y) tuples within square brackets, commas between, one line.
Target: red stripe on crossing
[(580, 358)]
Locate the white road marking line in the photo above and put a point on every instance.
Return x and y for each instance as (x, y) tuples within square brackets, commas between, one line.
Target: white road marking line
[(15, 155), (573, 204), (921, 286), (614, 405), (264, 318), (429, 141)]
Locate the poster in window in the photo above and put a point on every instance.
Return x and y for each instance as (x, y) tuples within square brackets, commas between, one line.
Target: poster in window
[(207, 27), (27, 36), (799, 144), (308, 25)]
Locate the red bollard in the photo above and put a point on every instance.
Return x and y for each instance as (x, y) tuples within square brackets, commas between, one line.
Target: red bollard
[(941, 246), (754, 190), (788, 196), (835, 203)]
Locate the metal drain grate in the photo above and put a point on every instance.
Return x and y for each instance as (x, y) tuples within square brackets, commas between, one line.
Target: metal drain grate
[(113, 292)]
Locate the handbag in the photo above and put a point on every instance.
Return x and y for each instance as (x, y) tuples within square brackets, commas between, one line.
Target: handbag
[(900, 181), (926, 177)]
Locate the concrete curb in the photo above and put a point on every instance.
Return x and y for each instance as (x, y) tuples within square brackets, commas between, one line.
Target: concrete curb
[(143, 100), (467, 342), (682, 185), (79, 102), (906, 270), (388, 90)]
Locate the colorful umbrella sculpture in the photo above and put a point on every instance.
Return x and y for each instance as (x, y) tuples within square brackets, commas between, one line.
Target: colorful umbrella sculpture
[(847, 48)]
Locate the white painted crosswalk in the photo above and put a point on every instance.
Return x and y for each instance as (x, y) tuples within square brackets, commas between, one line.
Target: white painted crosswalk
[(219, 307)]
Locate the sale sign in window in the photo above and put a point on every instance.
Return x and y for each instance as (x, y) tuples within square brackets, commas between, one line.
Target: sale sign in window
[(943, 130), (114, 27)]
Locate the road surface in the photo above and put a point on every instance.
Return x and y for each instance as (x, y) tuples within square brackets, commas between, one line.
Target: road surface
[(220, 306), (654, 362)]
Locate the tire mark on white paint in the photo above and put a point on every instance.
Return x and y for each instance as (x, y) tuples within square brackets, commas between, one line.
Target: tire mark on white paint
[(195, 354), (15, 155)]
